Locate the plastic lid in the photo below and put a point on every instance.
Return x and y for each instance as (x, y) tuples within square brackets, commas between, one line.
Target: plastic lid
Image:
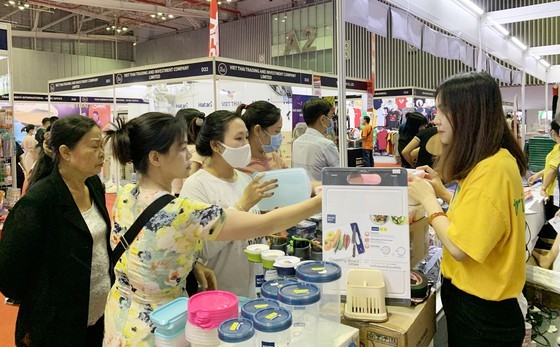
[(269, 289), (299, 294), (272, 320), (236, 330), (249, 309), (318, 272), (207, 310), (171, 314), (169, 336)]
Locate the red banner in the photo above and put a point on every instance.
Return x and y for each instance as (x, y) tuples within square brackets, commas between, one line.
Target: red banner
[(214, 41)]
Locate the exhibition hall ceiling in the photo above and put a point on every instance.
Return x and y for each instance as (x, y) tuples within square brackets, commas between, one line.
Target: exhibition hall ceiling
[(120, 20)]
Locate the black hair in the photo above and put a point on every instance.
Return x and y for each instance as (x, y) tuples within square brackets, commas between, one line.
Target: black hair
[(315, 108), (53, 119), (45, 120), (214, 128), (414, 120), (28, 128), (193, 119), (133, 141), (367, 119), (68, 132), (260, 112), (555, 126)]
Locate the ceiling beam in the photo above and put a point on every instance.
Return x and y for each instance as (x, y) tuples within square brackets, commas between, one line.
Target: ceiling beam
[(10, 14), (59, 36), (137, 7), (545, 50), (525, 13), (73, 10), (36, 21), (94, 29), (58, 21)]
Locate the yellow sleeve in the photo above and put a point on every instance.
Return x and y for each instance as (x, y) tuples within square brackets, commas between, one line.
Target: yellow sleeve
[(477, 224), (199, 220), (554, 160)]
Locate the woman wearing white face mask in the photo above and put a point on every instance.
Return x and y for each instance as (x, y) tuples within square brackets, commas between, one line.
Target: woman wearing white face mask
[(264, 122), (223, 139)]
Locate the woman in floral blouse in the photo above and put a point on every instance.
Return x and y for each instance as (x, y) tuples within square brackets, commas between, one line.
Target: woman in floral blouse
[(153, 270)]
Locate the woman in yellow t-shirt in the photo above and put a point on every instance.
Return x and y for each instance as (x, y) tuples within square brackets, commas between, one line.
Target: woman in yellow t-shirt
[(483, 232), (548, 175)]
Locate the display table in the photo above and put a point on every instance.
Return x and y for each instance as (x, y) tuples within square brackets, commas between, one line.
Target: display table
[(355, 157)]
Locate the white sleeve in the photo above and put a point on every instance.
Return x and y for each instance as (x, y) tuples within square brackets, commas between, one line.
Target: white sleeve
[(331, 155)]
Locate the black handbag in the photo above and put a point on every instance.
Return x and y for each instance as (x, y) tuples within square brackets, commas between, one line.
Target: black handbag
[(138, 224)]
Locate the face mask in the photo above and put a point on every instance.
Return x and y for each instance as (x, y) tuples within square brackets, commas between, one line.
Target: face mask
[(237, 157), (330, 128), (275, 142)]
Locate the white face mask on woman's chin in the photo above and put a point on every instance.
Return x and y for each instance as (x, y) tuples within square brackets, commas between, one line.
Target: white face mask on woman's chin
[(237, 157)]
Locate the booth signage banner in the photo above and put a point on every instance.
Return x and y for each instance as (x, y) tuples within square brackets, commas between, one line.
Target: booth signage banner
[(316, 85), (214, 38), (357, 85), (424, 92), (70, 99), (263, 74), (165, 73), (297, 108), (27, 97), (90, 82), (95, 100), (393, 92), (131, 101)]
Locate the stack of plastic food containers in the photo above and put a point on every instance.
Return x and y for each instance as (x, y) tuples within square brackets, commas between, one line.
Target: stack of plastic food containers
[(272, 326), (249, 309), (206, 312), (286, 266), (237, 332), (268, 258), (269, 289), (302, 300), (170, 320), (325, 275), (257, 270)]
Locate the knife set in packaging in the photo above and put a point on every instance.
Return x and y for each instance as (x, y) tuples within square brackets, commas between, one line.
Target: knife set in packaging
[(365, 225)]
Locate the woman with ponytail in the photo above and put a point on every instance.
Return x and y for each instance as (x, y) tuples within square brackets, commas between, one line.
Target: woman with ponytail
[(264, 122), (54, 255), (153, 269)]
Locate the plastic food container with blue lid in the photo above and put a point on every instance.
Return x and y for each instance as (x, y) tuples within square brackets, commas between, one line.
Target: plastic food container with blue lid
[(269, 289), (272, 327), (302, 300), (237, 332), (325, 275), (171, 317), (251, 307)]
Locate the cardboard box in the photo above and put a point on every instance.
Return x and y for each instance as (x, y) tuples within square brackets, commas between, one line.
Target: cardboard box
[(365, 225), (406, 327), (419, 241), (339, 335)]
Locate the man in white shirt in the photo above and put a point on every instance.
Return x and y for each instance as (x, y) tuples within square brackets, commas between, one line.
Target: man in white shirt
[(312, 150)]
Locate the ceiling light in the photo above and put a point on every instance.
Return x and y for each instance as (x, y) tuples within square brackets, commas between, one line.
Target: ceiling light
[(472, 6), (119, 30), (124, 29), (108, 28), (21, 7), (228, 0), (170, 16), (113, 26), (160, 14), (163, 18), (519, 43), (153, 15), (26, 5), (219, 3), (275, 18), (11, 2), (545, 63)]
